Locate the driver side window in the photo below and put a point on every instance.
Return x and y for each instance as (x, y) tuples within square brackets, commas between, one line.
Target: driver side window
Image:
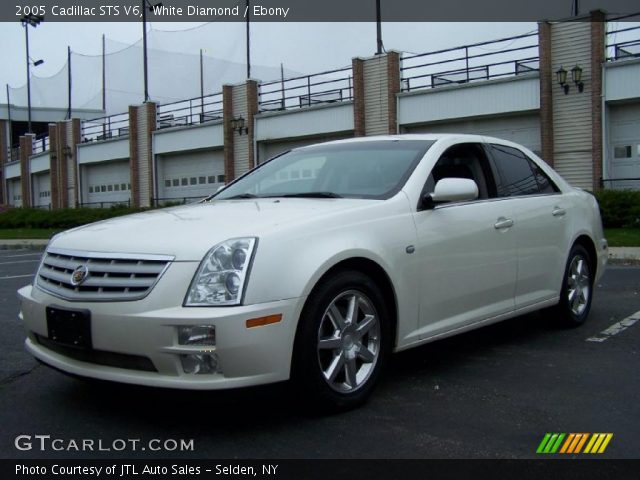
[(466, 160)]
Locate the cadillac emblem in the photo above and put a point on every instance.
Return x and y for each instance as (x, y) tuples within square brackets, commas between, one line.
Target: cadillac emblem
[(79, 275)]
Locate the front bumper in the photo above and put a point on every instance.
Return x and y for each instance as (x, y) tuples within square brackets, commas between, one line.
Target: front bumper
[(246, 356)]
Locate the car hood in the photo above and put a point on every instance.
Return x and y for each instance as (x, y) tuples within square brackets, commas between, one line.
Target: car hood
[(188, 232)]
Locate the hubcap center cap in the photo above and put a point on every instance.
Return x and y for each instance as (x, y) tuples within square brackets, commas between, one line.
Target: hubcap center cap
[(347, 342)]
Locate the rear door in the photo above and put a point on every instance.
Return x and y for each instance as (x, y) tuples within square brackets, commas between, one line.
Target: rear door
[(540, 213)]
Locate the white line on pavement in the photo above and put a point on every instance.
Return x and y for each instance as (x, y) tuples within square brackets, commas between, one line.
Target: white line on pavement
[(19, 261), (22, 255), (16, 276), (616, 328)]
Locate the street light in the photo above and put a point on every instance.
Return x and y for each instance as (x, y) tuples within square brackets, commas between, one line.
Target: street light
[(146, 4), (33, 21)]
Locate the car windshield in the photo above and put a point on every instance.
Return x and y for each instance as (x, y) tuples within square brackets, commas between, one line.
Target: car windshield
[(373, 169)]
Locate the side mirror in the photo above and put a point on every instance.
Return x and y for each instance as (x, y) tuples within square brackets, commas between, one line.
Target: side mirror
[(450, 190)]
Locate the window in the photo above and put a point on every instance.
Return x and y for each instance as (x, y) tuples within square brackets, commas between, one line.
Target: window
[(220, 178), (90, 189), (515, 176), (464, 161), (202, 180), (211, 179), (110, 188), (116, 187), (175, 182), (103, 188), (184, 181), (622, 151), (193, 181), (123, 186), (167, 183)]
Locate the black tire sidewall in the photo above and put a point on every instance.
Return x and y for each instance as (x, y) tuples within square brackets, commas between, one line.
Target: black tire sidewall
[(306, 372)]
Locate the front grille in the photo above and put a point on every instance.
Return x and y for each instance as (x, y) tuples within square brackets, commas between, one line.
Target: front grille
[(111, 277), (99, 357)]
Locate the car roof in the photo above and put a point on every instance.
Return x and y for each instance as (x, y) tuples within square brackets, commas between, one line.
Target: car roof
[(460, 137)]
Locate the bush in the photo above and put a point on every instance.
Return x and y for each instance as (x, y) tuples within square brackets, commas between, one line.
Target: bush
[(59, 219), (619, 208)]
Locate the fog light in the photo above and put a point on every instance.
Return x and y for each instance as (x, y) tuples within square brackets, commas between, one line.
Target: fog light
[(199, 364), (197, 335)]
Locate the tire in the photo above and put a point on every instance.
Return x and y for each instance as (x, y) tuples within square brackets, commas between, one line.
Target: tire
[(577, 288), (338, 355)]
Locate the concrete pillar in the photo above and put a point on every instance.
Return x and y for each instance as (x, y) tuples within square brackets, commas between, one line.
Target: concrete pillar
[(4, 147), (576, 129), (26, 149), (376, 83), (55, 159), (142, 123), (598, 55), (547, 80), (239, 102)]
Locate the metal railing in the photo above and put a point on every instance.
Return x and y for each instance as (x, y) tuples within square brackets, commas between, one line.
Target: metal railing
[(105, 204), (297, 92), (480, 61), (40, 143), (168, 201), (104, 128), (632, 183), (190, 112), (624, 42)]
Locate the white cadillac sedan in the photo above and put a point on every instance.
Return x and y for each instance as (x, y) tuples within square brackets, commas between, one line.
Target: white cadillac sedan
[(316, 265)]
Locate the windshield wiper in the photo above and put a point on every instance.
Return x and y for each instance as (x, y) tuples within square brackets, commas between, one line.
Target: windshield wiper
[(311, 195), (240, 196)]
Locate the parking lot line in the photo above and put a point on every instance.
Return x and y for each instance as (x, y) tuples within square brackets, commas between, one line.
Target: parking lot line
[(17, 276), (22, 255), (20, 261), (616, 328)]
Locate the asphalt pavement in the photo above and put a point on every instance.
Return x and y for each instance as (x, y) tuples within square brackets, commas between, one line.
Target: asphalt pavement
[(490, 393)]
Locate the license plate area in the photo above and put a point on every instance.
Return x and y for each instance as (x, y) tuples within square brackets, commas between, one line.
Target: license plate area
[(70, 327)]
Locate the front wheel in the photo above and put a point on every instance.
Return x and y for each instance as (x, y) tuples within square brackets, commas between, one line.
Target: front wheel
[(342, 342), (577, 288)]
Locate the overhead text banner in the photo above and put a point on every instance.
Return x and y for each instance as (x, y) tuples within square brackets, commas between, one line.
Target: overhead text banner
[(305, 10)]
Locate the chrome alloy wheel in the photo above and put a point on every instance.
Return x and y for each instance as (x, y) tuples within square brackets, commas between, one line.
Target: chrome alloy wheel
[(349, 341), (578, 285)]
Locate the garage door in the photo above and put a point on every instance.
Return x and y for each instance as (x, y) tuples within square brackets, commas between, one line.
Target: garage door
[(522, 129), (190, 174), (266, 150), (624, 146), (14, 193), (105, 184), (41, 185)]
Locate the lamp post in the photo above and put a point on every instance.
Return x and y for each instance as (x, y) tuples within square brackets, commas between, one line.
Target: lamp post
[(34, 21), (146, 4)]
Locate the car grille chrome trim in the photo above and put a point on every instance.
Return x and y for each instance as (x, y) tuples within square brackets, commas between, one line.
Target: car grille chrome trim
[(112, 276)]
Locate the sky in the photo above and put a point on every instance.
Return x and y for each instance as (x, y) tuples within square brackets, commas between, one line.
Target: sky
[(302, 47)]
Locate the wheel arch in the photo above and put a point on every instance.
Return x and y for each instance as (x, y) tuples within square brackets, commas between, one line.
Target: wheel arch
[(374, 271), (589, 245)]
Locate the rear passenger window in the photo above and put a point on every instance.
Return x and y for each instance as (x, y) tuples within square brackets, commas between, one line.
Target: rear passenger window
[(516, 174)]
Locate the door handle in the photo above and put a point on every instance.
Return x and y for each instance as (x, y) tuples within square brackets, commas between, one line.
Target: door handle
[(503, 223), (558, 212)]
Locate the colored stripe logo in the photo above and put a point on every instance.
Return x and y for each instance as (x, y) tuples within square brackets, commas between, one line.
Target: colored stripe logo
[(574, 443)]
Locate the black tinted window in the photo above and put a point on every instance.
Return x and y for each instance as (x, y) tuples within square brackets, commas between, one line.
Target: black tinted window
[(544, 183), (515, 176)]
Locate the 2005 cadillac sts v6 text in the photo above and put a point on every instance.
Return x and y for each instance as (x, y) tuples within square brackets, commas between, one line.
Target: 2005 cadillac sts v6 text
[(316, 265)]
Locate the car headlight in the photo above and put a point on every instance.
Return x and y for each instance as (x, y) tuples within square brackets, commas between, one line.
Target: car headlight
[(221, 277)]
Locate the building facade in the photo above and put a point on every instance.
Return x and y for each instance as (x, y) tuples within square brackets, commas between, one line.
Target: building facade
[(570, 92)]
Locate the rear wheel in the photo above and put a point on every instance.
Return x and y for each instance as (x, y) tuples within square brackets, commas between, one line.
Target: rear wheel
[(342, 342), (577, 288)]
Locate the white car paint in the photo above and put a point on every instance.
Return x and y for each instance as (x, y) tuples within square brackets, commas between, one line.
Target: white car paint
[(451, 269)]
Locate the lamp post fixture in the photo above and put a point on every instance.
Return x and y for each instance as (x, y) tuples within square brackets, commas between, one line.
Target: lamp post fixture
[(33, 21)]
